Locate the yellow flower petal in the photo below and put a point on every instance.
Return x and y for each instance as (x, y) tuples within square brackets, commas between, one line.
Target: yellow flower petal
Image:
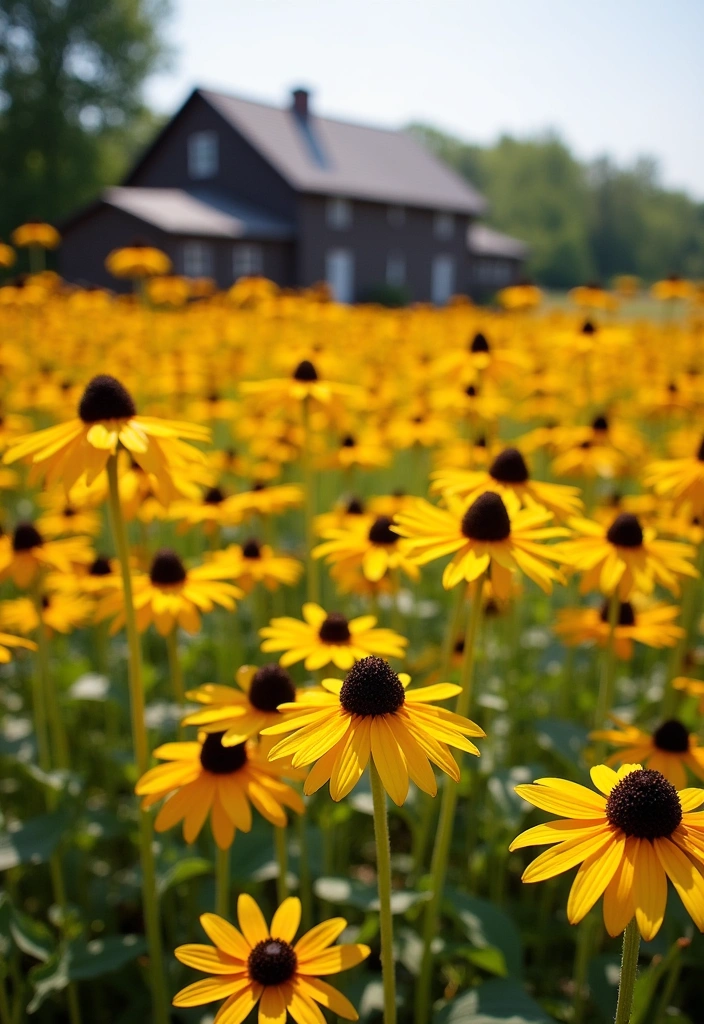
[(225, 936), (286, 920), (251, 919)]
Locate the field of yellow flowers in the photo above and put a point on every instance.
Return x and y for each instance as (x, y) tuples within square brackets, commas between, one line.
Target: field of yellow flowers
[(327, 634)]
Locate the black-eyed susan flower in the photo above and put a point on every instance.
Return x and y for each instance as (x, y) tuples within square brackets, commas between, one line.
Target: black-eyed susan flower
[(679, 480), (107, 418), (493, 534), (372, 713), (172, 595), (254, 562), (374, 549), (325, 638), (7, 255), (268, 499), (204, 778), (304, 384), (242, 713), (345, 513), (211, 510), (36, 233), (508, 472), (9, 643), (625, 556), (671, 288), (138, 260), (262, 964), (650, 625), (62, 611), (670, 749), (64, 518), (26, 554), (629, 838)]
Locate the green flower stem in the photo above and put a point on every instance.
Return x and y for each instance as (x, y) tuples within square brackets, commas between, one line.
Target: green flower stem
[(176, 672), (160, 1008), (281, 844), (41, 728), (312, 578), (443, 836), (629, 969), (605, 699), (424, 830), (383, 870), (222, 882), (304, 884), (48, 689)]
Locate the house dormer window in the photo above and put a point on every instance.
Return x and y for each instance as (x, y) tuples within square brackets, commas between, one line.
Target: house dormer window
[(202, 155), (443, 226), (396, 216), (338, 213)]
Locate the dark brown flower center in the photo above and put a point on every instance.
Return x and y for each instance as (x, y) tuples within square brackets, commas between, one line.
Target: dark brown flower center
[(105, 398), (167, 568), (213, 496), (479, 343), (355, 507), (100, 567), (644, 804), (348, 441), (222, 760), (470, 391), (380, 531), (626, 531), (672, 737), (486, 519), (272, 962), (509, 467), (252, 549), (271, 685), (588, 327), (626, 614), (700, 452), (26, 537), (305, 371), (335, 629), (600, 423), (69, 512), (371, 687)]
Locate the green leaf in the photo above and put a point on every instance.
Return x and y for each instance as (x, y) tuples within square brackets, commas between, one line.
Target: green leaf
[(81, 960), (488, 959), (344, 892), (499, 1001), (32, 843), (183, 871), (5, 933), (565, 740), (32, 937), (486, 925)]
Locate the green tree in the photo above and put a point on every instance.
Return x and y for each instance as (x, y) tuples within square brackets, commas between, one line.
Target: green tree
[(71, 107)]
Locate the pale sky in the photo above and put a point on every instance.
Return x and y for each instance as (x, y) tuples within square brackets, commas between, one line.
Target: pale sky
[(622, 77)]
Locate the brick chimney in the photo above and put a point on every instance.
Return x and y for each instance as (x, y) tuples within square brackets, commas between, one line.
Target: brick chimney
[(299, 103)]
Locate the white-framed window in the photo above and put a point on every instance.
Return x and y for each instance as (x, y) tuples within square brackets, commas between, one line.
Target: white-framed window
[(396, 270), (338, 213), (203, 157), (198, 259), (247, 260), (443, 226), (396, 216), (339, 274), (442, 279)]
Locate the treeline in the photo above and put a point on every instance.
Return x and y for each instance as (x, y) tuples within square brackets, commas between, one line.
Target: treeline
[(582, 221)]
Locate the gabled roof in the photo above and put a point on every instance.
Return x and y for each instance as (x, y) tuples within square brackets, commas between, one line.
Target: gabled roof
[(199, 213), (319, 155), (485, 241)]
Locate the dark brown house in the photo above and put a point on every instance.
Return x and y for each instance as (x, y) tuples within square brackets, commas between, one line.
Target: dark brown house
[(232, 188)]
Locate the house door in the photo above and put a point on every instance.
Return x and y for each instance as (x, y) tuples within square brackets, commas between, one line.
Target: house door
[(442, 281), (339, 274)]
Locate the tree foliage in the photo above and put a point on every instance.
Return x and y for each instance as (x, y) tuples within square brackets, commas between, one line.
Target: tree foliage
[(581, 220), (71, 108)]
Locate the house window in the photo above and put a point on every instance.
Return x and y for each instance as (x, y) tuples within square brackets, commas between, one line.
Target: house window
[(396, 270), (198, 259), (338, 213), (444, 226), (202, 155), (339, 274), (396, 216), (442, 279), (247, 261)]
